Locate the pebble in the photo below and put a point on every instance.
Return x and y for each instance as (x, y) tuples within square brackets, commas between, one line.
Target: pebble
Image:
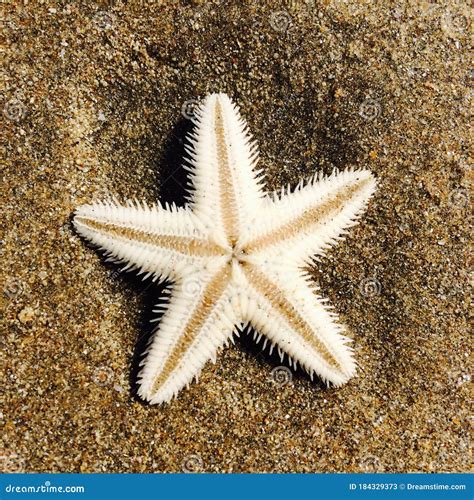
[(26, 315)]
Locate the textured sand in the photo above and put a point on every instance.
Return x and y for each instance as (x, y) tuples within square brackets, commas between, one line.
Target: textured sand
[(92, 100)]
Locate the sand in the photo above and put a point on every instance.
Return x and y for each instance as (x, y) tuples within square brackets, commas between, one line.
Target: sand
[(92, 104)]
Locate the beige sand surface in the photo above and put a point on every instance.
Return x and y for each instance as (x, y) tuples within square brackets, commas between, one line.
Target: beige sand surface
[(91, 104)]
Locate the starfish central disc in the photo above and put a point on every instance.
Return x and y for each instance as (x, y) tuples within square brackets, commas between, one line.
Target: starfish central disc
[(237, 254)]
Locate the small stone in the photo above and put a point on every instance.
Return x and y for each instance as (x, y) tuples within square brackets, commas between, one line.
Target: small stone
[(26, 315)]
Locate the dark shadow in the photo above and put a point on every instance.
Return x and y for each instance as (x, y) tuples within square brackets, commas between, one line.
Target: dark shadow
[(246, 342), (152, 295), (338, 144), (173, 178)]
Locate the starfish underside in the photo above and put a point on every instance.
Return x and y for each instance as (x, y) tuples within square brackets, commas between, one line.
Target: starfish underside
[(235, 255)]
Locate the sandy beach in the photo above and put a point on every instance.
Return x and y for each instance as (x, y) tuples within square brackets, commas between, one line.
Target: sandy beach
[(94, 103)]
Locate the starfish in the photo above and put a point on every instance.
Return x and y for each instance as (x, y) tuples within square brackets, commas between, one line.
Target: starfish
[(235, 256)]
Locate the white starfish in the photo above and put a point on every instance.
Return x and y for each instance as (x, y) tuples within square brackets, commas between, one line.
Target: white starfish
[(235, 255)]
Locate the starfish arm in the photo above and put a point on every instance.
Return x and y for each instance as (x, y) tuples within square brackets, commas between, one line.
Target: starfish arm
[(199, 319), (306, 222), (225, 184), (157, 241), (287, 311)]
